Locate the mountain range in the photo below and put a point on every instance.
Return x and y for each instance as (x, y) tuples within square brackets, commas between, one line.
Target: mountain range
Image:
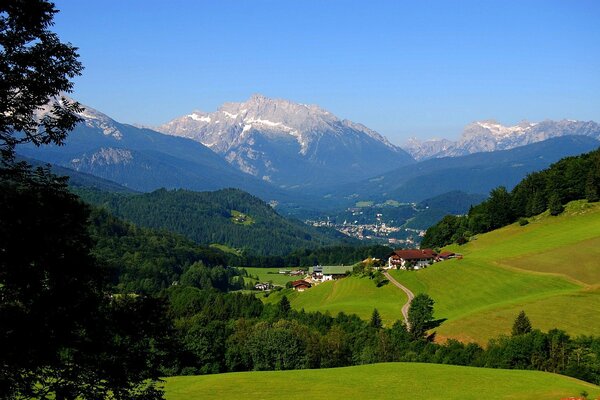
[(290, 144), (144, 160), (476, 173), (302, 158), (489, 135)]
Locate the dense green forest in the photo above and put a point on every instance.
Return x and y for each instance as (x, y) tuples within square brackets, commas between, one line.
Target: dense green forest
[(145, 260), (212, 217), (571, 178)]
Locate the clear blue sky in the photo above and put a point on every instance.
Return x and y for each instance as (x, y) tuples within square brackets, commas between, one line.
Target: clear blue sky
[(403, 68)]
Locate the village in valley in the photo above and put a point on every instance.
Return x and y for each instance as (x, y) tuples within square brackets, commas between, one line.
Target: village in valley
[(387, 223), (403, 259)]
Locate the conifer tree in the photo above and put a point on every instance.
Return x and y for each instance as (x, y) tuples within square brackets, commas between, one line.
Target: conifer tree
[(554, 205), (376, 319), (522, 325)]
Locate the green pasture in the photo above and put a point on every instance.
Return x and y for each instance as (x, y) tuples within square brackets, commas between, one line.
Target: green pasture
[(350, 295), (380, 381), (272, 274), (549, 268)]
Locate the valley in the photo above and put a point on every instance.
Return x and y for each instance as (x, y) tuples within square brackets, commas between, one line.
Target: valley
[(254, 210)]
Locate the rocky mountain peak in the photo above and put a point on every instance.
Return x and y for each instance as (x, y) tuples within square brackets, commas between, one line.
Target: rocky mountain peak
[(247, 133), (490, 135)]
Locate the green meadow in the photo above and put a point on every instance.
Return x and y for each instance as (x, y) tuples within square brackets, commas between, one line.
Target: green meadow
[(272, 275), (380, 381), (550, 268), (350, 295)]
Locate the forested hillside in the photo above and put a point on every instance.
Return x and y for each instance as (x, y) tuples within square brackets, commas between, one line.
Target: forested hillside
[(143, 260), (571, 178), (230, 217)]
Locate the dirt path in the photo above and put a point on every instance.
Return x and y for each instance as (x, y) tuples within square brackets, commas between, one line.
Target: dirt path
[(406, 290)]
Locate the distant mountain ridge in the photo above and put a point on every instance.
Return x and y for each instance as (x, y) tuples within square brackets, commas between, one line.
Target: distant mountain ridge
[(142, 159), (489, 135), (290, 144), (473, 173)]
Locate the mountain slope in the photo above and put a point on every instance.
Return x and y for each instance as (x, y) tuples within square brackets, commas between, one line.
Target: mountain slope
[(474, 173), (290, 144), (142, 159), (547, 249), (485, 136), (230, 217)]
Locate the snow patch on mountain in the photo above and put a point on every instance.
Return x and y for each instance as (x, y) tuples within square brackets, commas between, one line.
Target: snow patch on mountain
[(489, 135), (256, 134)]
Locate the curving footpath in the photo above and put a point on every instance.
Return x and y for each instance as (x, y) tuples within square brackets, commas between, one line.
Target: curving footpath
[(409, 294)]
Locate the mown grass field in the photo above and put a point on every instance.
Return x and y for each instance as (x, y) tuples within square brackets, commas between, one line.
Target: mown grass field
[(380, 381), (350, 295), (271, 274), (549, 268)]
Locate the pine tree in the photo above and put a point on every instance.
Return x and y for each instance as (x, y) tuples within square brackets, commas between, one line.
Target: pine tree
[(554, 205), (284, 306), (522, 325), (591, 188), (376, 319)]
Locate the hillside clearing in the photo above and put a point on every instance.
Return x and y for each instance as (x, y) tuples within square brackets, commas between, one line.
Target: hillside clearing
[(380, 381), (350, 295)]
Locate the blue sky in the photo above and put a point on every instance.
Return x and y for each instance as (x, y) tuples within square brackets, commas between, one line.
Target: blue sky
[(414, 68)]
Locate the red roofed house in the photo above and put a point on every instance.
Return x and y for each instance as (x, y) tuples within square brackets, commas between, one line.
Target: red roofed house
[(411, 259), (445, 255), (300, 285)]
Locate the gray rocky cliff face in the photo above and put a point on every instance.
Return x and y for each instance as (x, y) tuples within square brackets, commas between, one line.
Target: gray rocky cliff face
[(489, 135), (288, 143)]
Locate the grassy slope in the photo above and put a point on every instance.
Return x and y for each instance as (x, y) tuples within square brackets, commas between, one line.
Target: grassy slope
[(271, 274), (548, 268), (380, 381), (351, 295)]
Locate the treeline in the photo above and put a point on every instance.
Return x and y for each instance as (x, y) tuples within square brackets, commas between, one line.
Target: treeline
[(330, 255), (571, 178), (223, 332), (209, 217)]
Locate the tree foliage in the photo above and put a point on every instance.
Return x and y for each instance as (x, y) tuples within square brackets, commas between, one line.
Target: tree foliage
[(35, 66), (62, 336), (522, 325), (420, 315)]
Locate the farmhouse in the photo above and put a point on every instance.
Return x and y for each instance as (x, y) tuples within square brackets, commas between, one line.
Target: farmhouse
[(446, 255), (263, 286), (333, 272), (316, 272), (411, 259), (320, 273), (300, 285)]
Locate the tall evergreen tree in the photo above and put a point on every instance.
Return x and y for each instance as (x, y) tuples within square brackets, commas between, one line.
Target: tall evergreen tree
[(554, 205), (284, 306), (376, 319), (591, 187), (522, 325)]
